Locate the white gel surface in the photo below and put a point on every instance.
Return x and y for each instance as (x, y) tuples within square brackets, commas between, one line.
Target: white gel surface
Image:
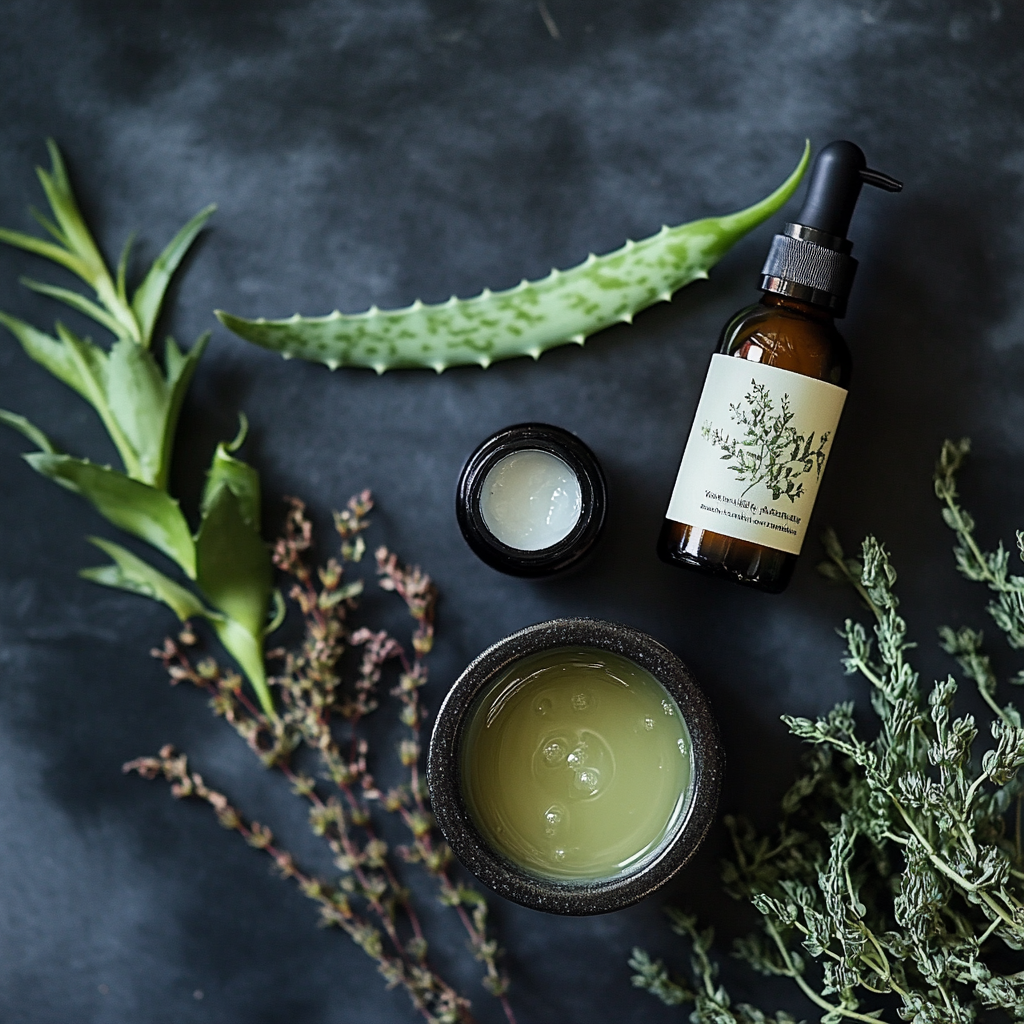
[(530, 500)]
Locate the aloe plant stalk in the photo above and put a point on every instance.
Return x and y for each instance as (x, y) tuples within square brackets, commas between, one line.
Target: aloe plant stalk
[(225, 564)]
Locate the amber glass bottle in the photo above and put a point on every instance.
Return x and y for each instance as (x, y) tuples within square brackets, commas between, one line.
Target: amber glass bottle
[(764, 428), (792, 335)]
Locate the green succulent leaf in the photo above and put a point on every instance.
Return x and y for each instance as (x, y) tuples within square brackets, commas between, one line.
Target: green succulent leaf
[(41, 247), (233, 565), (149, 296), (138, 399), (238, 476), (78, 302), (92, 383), (74, 248), (179, 368), (52, 354), (29, 430), (81, 255), (566, 306), (131, 573), (145, 512), (247, 650), (139, 406)]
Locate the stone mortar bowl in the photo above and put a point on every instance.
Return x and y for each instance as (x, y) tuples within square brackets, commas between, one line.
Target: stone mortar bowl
[(586, 896)]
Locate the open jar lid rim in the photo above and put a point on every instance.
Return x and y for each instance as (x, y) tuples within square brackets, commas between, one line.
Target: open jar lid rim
[(576, 544)]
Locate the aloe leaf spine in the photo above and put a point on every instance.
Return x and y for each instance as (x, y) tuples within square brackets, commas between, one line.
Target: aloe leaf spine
[(566, 306)]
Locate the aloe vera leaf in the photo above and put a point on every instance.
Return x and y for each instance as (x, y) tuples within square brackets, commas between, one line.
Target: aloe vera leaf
[(247, 650), (534, 316), (240, 477), (51, 353), (179, 368), (49, 250), (145, 512), (131, 573), (233, 566), (149, 295), (80, 303), (234, 572), (138, 399), (122, 268), (79, 241), (29, 430), (91, 363), (50, 226)]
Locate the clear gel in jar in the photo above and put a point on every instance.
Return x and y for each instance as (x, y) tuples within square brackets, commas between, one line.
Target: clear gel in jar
[(530, 500)]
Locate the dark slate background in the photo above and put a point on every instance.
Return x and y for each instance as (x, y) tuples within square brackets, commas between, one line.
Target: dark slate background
[(377, 152)]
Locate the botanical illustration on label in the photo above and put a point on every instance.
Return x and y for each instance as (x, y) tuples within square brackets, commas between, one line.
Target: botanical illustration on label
[(756, 452)]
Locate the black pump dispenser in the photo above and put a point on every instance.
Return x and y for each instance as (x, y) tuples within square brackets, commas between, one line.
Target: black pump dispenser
[(811, 260)]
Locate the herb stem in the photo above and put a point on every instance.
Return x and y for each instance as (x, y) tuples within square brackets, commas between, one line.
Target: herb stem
[(966, 833), (989, 930), (990, 701), (1020, 811), (883, 968), (969, 798), (872, 677), (967, 536), (950, 872), (807, 990)]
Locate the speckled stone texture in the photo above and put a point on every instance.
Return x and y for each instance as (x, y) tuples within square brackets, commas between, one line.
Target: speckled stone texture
[(368, 152)]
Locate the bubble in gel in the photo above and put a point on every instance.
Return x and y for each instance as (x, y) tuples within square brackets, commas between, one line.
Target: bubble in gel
[(666, 706), (587, 781), (559, 854), (578, 756), (648, 724), (543, 706), (553, 817), (554, 753), (581, 701)]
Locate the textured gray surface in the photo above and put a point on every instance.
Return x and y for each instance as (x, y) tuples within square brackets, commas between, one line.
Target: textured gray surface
[(367, 153)]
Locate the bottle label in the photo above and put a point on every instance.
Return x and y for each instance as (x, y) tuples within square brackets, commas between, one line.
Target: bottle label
[(757, 449)]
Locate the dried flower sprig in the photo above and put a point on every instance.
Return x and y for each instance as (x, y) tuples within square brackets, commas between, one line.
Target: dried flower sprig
[(321, 711), (893, 871), (226, 579)]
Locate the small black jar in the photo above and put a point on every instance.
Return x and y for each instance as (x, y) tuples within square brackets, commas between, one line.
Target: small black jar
[(564, 553), (445, 765)]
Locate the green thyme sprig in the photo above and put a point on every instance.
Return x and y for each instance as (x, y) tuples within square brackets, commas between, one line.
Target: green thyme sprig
[(710, 1000), (321, 711), (893, 871)]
